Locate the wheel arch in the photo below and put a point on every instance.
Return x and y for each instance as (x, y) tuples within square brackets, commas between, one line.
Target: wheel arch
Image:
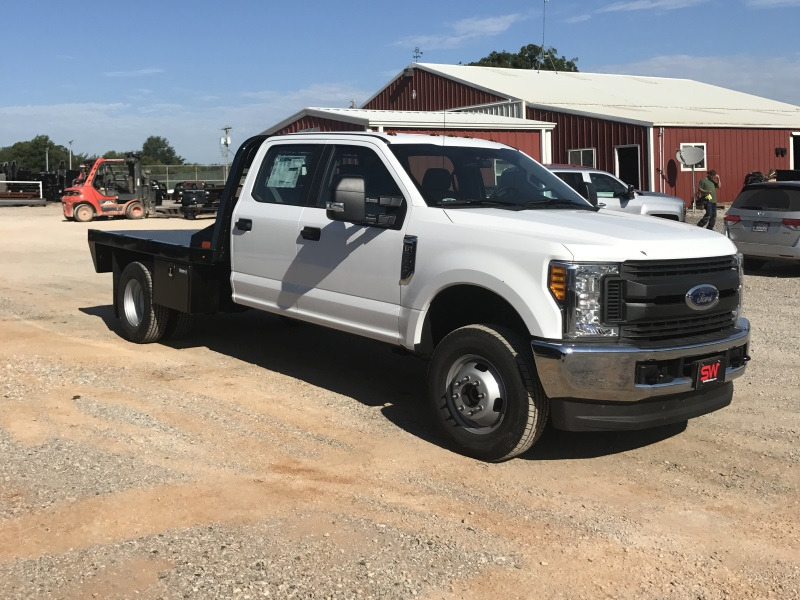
[(466, 304)]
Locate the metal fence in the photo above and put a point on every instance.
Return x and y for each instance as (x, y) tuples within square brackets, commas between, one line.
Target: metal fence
[(172, 174)]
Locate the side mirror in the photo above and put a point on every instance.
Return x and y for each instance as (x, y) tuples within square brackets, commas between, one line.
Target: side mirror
[(589, 192), (349, 202), (631, 193)]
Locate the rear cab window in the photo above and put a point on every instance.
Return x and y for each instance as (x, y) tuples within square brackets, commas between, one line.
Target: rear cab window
[(768, 199)]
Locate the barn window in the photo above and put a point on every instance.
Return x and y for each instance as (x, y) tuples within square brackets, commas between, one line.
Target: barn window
[(584, 157), (701, 166)]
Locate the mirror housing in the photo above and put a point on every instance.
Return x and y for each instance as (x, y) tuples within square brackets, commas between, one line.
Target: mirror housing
[(349, 202), (589, 192)]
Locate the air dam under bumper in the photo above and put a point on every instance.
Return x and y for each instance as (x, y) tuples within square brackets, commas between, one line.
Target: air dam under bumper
[(595, 387)]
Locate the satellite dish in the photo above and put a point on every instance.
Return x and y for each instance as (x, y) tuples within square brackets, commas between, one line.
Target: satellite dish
[(690, 155)]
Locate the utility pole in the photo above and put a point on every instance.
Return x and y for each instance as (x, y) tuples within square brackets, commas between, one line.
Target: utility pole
[(226, 143), (70, 154)]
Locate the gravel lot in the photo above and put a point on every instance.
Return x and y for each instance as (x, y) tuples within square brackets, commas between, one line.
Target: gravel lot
[(258, 459)]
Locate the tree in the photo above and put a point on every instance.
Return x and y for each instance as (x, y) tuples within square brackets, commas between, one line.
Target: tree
[(38, 155), (529, 57), (157, 151)]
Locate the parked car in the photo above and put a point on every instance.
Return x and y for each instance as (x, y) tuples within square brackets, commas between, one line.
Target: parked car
[(615, 194), (764, 222)]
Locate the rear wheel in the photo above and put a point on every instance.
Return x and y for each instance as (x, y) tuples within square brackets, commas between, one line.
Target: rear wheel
[(179, 324), (135, 210), (83, 213), (142, 321), (485, 394)]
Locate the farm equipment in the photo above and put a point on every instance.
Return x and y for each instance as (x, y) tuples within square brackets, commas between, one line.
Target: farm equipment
[(110, 187)]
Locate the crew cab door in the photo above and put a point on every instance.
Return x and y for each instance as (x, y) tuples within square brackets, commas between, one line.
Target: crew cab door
[(348, 275), (265, 226)]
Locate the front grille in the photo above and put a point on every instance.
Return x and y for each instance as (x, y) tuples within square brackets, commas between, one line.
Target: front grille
[(647, 301), (641, 269)]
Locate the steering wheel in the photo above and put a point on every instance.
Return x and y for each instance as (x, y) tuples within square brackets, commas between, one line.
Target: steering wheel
[(504, 193)]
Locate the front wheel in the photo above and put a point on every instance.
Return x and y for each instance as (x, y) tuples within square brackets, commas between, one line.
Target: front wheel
[(135, 210), (485, 394), (142, 321)]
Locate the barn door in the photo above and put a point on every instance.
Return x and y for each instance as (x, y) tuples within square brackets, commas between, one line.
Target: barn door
[(627, 163)]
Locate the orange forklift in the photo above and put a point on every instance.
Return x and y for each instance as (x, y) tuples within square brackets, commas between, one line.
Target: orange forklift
[(109, 187)]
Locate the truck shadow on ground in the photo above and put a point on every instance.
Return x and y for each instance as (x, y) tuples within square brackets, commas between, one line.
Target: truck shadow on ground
[(371, 373), (773, 270)]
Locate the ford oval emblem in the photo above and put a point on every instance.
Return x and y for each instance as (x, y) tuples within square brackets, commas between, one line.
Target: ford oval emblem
[(702, 297)]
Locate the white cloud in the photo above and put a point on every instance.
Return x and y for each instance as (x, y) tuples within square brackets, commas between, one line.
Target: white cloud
[(134, 73), (776, 78), (193, 131), (463, 31), (772, 3), (579, 18), (650, 5)]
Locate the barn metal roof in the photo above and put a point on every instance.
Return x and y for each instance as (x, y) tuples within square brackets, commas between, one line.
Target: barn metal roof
[(386, 119), (650, 101)]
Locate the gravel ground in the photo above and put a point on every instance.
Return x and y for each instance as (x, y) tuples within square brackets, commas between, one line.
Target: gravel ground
[(258, 459)]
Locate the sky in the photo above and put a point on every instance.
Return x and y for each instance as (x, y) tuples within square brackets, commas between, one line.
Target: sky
[(107, 76)]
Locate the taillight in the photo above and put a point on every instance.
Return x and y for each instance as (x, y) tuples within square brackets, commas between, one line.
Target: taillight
[(732, 218), (792, 223)]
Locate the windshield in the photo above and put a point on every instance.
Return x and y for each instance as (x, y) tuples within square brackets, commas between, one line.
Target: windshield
[(464, 176)]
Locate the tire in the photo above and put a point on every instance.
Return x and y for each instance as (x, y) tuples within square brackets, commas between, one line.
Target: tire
[(477, 361), (135, 210), (142, 321), (83, 213), (179, 324)]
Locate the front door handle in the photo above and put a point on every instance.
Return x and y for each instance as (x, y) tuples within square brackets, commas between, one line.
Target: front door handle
[(244, 224), (311, 233)]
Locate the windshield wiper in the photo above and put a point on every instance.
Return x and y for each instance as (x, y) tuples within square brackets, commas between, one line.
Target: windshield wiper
[(479, 202), (549, 202)]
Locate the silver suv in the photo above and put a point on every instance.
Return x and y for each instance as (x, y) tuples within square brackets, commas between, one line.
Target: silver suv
[(614, 194)]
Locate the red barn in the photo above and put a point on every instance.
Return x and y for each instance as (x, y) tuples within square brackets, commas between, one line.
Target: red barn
[(632, 126)]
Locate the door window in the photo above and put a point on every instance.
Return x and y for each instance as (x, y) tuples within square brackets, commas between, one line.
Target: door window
[(607, 186), (385, 202), (573, 179), (287, 174)]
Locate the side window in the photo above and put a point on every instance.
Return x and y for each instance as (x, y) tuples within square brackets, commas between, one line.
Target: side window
[(385, 202), (607, 187), (286, 175), (572, 179)]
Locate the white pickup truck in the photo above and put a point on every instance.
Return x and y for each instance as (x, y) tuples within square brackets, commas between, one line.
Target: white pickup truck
[(531, 305)]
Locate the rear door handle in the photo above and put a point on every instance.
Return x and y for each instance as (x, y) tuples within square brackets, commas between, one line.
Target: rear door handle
[(244, 224), (311, 233)]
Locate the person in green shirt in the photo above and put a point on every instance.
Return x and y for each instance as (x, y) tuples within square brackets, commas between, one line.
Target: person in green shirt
[(708, 191)]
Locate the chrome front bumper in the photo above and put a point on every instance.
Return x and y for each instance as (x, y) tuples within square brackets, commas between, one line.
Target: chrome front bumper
[(608, 373)]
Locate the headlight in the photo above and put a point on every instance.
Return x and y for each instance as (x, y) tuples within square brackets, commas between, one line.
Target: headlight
[(579, 290)]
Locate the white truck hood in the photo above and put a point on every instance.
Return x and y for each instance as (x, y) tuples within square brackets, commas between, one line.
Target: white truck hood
[(599, 236)]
